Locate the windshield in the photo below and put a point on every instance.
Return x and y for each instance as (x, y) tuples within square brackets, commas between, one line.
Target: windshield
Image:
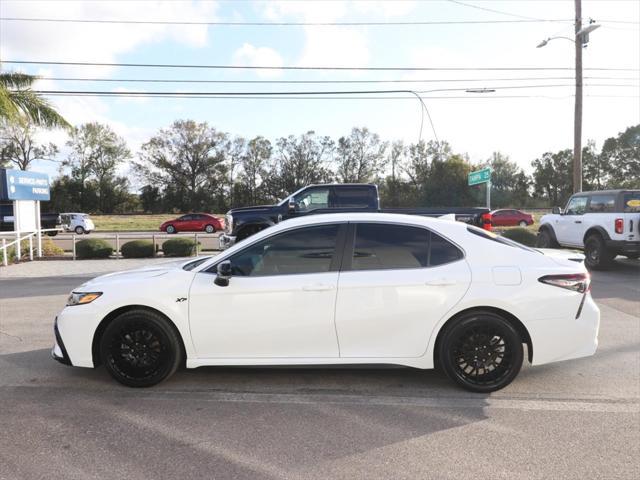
[(497, 238), (196, 263)]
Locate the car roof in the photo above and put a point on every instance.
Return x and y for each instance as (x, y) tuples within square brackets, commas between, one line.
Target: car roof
[(608, 192)]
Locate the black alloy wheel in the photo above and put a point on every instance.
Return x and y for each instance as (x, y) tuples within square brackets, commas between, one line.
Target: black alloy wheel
[(597, 256), (482, 352), (140, 349)]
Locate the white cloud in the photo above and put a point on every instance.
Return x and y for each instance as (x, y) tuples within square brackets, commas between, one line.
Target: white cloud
[(397, 8), (334, 46), (250, 55)]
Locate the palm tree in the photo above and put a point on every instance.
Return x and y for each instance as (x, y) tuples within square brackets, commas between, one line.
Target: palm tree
[(18, 101)]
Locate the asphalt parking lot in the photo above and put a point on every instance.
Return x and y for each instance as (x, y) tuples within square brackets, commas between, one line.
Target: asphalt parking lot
[(578, 419)]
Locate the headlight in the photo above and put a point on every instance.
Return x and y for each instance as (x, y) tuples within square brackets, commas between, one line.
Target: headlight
[(82, 298), (228, 223)]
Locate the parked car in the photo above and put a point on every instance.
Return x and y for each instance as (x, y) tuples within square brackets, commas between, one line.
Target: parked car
[(510, 218), (47, 220), (193, 222), (79, 223), (241, 223), (412, 291), (603, 223)]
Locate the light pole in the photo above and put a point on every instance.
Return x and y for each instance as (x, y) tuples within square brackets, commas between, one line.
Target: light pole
[(580, 41)]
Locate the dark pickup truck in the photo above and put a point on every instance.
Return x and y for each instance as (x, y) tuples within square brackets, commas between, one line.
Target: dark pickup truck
[(47, 220), (331, 198)]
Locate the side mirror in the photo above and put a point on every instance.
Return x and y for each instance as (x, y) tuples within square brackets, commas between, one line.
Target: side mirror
[(224, 274), (292, 205), (556, 211)]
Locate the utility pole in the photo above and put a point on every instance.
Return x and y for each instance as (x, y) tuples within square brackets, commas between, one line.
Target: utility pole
[(577, 120)]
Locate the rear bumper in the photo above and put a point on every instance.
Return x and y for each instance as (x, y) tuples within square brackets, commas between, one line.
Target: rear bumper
[(225, 241), (623, 247)]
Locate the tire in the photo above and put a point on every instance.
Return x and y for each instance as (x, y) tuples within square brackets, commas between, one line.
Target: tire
[(87, 232), (597, 257), (210, 229), (472, 335), (633, 256), (546, 240), (79, 230), (52, 234), (171, 229), (523, 224), (140, 349)]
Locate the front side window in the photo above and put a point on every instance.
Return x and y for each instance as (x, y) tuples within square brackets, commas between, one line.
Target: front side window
[(576, 206), (384, 246), (305, 250), (602, 204), (312, 199)]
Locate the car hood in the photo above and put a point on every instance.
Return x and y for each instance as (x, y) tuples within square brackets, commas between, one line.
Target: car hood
[(254, 209)]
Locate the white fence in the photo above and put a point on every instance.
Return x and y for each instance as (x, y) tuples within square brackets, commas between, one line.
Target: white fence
[(19, 237)]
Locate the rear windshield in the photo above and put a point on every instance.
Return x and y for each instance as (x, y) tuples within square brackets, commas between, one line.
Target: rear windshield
[(631, 202), (497, 238)]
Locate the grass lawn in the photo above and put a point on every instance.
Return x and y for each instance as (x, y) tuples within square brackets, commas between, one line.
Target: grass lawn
[(132, 223)]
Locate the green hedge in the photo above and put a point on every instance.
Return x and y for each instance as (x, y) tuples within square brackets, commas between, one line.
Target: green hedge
[(179, 247), (137, 249), (521, 235), (93, 248)]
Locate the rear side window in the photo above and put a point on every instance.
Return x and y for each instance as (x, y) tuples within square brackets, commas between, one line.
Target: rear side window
[(631, 202), (383, 247), (602, 204), (352, 197)]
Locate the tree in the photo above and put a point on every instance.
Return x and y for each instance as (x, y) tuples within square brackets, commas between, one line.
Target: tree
[(509, 184), (596, 170), (299, 161), (18, 147), (552, 176), (360, 156), (254, 167), (96, 152), (622, 155), (187, 158), (19, 103)]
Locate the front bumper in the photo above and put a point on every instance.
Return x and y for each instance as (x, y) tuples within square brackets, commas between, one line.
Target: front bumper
[(623, 247), (59, 352), (226, 241)]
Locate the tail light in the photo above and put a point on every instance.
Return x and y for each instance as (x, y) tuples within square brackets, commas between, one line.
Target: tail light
[(486, 221), (578, 282), (619, 225)]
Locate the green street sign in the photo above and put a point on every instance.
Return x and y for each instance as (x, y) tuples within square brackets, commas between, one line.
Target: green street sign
[(480, 176)]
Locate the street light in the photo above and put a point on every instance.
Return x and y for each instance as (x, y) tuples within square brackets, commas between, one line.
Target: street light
[(581, 40)]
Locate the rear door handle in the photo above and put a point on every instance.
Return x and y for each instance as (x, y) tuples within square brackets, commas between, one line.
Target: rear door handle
[(441, 282), (318, 287)]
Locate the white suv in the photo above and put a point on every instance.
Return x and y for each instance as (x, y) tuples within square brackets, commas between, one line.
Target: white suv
[(604, 224), (77, 222)]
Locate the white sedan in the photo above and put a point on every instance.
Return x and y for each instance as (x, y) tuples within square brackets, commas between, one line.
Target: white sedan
[(340, 289)]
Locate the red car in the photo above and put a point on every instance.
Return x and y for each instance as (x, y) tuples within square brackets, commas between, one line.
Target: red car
[(193, 222), (510, 218)]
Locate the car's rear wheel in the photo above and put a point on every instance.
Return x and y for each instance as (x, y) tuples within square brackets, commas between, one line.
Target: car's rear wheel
[(596, 254), (546, 240), (523, 224), (482, 352), (210, 229), (79, 230), (171, 229), (52, 234), (140, 349)]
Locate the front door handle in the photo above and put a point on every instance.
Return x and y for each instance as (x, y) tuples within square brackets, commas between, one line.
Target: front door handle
[(441, 282), (578, 221), (318, 287)]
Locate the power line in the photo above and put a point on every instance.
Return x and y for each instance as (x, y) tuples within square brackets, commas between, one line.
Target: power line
[(500, 12), (276, 82), (289, 67), (222, 23)]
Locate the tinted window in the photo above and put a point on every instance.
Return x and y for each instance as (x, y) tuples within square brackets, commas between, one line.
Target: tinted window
[(306, 250), (380, 246), (631, 202), (185, 217), (602, 203), (351, 197), (312, 199), (576, 206)]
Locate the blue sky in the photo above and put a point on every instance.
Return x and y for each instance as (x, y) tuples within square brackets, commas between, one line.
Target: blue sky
[(522, 128)]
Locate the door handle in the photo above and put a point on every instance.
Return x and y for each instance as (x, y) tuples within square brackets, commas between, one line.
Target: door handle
[(578, 221), (318, 287), (441, 282)]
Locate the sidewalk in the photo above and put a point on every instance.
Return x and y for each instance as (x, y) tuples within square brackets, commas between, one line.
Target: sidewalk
[(60, 268)]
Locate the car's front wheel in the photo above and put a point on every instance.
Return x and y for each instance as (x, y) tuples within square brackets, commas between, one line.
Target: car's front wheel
[(482, 352), (79, 230), (546, 240), (171, 229), (523, 224), (140, 349)]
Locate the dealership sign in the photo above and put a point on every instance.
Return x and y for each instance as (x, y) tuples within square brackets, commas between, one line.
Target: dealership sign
[(22, 185)]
